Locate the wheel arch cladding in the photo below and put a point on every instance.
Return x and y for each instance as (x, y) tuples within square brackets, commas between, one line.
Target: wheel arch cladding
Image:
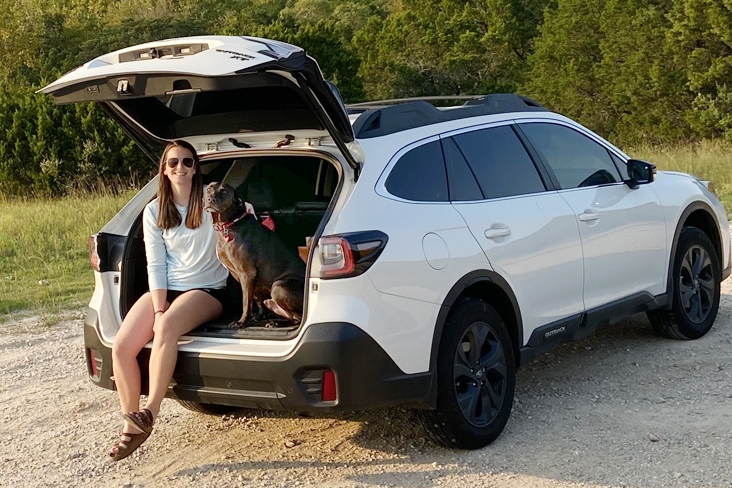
[(494, 290), (701, 216)]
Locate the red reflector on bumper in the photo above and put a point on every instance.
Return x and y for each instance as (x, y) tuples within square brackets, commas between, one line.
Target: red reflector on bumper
[(329, 386), (93, 363)]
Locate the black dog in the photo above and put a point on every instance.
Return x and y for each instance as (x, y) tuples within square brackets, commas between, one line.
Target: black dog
[(270, 275)]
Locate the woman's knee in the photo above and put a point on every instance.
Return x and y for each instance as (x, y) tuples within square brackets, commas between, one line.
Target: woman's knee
[(124, 349), (164, 331)]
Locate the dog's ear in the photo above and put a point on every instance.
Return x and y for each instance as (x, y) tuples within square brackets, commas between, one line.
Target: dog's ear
[(238, 201)]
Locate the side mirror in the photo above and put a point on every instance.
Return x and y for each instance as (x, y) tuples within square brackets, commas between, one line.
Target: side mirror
[(640, 173)]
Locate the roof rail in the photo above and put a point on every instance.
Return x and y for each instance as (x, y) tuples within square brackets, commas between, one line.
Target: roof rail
[(409, 113), (376, 104)]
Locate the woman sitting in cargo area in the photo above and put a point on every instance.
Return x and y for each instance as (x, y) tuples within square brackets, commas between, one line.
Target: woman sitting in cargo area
[(186, 290)]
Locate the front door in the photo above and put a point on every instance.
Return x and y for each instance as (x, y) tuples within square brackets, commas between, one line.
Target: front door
[(622, 229)]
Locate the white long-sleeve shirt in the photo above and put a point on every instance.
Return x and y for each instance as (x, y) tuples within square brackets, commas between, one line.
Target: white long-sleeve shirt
[(181, 258)]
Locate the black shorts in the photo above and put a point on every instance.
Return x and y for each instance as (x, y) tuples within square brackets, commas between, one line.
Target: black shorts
[(218, 293)]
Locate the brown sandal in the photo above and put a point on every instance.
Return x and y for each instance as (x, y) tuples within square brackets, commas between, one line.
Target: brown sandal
[(143, 420), (124, 447)]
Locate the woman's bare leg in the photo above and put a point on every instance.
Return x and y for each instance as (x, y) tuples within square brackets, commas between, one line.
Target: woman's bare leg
[(136, 331), (187, 312)]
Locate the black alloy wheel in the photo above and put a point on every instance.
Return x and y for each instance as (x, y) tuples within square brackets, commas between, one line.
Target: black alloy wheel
[(696, 284), (476, 377), (480, 374), (695, 288)]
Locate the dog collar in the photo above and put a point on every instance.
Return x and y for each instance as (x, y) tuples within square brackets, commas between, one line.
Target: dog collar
[(223, 227)]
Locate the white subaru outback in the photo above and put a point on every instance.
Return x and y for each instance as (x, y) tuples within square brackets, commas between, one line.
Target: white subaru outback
[(449, 246)]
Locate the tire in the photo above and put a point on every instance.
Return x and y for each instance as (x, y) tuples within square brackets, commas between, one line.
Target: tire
[(473, 404), (207, 408), (695, 289)]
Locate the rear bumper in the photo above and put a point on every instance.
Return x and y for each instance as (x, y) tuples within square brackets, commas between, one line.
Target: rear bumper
[(365, 375)]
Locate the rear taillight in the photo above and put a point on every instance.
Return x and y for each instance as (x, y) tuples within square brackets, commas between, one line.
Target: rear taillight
[(336, 257), (96, 261), (349, 254)]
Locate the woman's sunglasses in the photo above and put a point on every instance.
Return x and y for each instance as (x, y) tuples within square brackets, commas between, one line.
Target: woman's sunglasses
[(173, 162)]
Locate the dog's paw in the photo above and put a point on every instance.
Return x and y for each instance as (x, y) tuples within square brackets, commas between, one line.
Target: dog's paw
[(237, 325)]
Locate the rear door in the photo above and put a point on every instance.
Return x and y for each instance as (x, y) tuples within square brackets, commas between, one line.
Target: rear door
[(528, 234)]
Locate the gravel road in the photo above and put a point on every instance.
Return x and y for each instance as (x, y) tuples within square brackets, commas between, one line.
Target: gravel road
[(621, 408)]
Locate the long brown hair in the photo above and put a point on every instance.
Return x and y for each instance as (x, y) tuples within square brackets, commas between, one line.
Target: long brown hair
[(168, 215)]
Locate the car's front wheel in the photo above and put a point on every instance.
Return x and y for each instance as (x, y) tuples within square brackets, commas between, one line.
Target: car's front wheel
[(695, 289), (475, 378)]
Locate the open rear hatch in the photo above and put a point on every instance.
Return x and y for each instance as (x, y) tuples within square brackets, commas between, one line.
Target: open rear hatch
[(211, 89)]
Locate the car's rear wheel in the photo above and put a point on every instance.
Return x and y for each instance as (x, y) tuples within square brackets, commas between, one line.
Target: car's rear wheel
[(207, 408), (475, 378), (695, 289)]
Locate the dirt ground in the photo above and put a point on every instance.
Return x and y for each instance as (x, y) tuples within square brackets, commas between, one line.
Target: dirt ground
[(621, 408)]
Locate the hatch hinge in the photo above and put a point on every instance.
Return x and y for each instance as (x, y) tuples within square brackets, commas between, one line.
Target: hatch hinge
[(240, 144), (286, 141)]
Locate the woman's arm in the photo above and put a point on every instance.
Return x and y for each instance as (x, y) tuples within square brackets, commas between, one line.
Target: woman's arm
[(156, 253), (160, 304)]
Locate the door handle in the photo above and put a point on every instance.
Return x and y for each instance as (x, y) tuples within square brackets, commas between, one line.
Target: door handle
[(495, 232), (589, 216)]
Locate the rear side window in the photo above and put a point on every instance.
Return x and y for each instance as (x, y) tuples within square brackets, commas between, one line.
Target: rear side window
[(576, 160), (419, 175), (500, 162)]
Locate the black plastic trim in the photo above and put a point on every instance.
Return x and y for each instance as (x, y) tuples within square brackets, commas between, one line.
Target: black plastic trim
[(556, 332), (693, 207), (366, 376), (390, 120), (548, 337), (464, 283), (550, 181)]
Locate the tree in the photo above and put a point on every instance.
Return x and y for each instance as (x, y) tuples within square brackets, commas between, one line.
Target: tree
[(449, 47), (701, 41), (562, 72), (644, 87)]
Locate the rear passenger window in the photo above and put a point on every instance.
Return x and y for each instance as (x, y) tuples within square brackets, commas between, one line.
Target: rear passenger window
[(500, 162), (460, 178), (419, 175), (576, 160)]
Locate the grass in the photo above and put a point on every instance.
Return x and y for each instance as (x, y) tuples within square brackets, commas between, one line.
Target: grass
[(709, 160), (44, 260)]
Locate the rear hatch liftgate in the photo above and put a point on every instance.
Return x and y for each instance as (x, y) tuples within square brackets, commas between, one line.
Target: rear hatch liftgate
[(213, 86)]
